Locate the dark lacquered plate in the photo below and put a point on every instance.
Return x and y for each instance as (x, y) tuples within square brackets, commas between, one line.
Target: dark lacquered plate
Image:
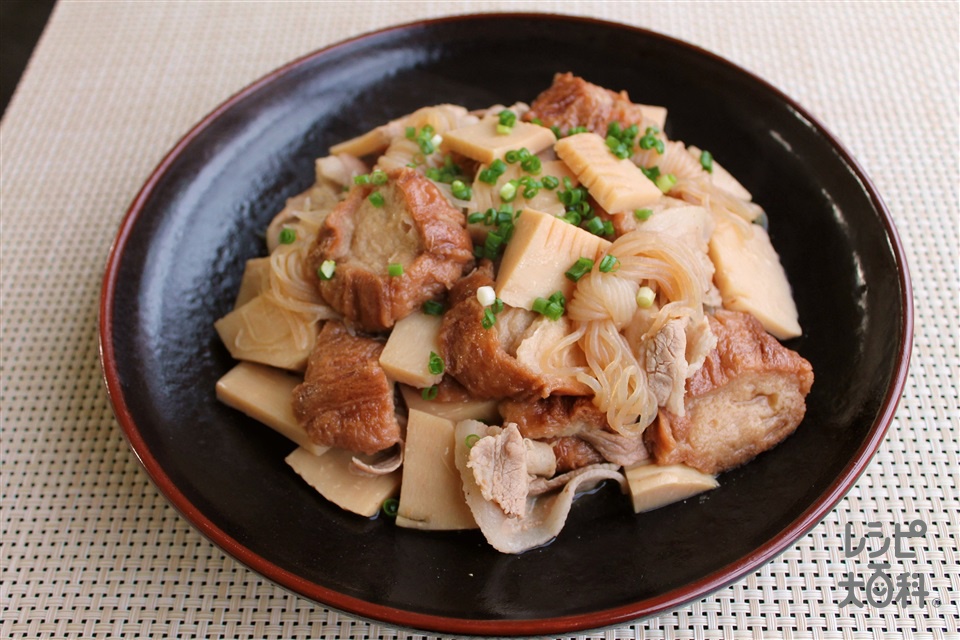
[(177, 261)]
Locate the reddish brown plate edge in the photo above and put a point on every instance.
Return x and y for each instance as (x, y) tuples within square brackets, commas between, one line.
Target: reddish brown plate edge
[(603, 618)]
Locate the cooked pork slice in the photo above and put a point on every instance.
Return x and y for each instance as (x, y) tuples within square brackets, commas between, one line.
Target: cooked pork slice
[(573, 453), (479, 358), (573, 102), (414, 227), (746, 398), (345, 400), (664, 359), (503, 464), (580, 429), (553, 417)]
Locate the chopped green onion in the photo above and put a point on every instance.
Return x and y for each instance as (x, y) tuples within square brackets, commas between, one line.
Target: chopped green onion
[(435, 364), (390, 507), (550, 182), (552, 307), (497, 306), (613, 129), (432, 308), (489, 318), (361, 179), (378, 177), (508, 192), (607, 228), (651, 141), (609, 263), (531, 164), (706, 161), (486, 295), (394, 269), (288, 235), (652, 172), (556, 131), (645, 297), (429, 393), (326, 269), (536, 121), (411, 133), (642, 214), (531, 192), (575, 130), (460, 190), (494, 171), (475, 217), (573, 217), (493, 243), (471, 440), (503, 129), (511, 156), (507, 118), (594, 226), (579, 269), (665, 182), (376, 199)]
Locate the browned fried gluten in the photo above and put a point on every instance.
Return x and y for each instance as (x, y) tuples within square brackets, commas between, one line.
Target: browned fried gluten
[(748, 396), (415, 227), (346, 400), (573, 102), (479, 358)]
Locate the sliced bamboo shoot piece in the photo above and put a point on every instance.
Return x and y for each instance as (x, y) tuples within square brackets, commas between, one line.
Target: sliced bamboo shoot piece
[(483, 143), (261, 331), (750, 277), (431, 495), (406, 356), (653, 486), (334, 476), (723, 178), (617, 185), (256, 280), (266, 394), (467, 409), (542, 249)]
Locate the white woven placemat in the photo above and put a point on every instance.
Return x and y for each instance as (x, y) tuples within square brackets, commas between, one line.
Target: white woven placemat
[(89, 547)]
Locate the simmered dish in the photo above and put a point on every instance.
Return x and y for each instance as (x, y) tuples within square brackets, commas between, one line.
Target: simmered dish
[(474, 316)]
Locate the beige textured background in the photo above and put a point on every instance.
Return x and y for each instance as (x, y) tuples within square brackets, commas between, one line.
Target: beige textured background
[(89, 547)]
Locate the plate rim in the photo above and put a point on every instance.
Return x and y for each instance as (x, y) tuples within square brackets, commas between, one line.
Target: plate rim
[(732, 572)]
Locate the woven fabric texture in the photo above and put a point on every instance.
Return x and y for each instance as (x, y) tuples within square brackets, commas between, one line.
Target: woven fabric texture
[(89, 546)]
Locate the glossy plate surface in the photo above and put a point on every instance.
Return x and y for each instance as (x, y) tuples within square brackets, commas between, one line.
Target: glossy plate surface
[(178, 258)]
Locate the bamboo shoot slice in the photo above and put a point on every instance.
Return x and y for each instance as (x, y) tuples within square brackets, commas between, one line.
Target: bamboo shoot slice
[(483, 143), (334, 476), (617, 185), (266, 394), (653, 486), (431, 494), (261, 331), (406, 356), (751, 279), (256, 280), (468, 409), (542, 249)]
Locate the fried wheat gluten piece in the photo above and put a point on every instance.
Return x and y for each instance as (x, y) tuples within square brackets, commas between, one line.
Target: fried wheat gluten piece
[(749, 395), (408, 223), (573, 102), (573, 453), (480, 358), (345, 400)]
